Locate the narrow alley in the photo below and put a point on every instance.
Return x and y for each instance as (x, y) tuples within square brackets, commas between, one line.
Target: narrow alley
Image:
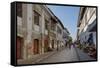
[(52, 34)]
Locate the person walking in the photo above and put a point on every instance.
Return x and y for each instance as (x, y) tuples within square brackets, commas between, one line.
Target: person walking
[(73, 45), (69, 46)]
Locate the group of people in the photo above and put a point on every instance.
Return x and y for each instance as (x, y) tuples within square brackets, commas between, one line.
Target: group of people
[(71, 45)]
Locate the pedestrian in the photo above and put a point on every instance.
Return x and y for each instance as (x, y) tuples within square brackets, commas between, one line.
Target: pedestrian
[(74, 45), (69, 46)]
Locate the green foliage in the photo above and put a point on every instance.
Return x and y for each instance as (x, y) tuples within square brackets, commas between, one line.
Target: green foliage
[(70, 39)]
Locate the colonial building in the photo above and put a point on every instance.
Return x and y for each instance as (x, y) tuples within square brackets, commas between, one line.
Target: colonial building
[(60, 28), (87, 25), (38, 31), (65, 36)]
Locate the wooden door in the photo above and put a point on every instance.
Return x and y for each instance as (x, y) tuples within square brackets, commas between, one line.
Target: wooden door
[(46, 45), (36, 46), (19, 47)]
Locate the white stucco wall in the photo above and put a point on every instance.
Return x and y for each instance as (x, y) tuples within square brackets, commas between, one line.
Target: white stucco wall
[(36, 28), (19, 27), (19, 21), (46, 32), (92, 18)]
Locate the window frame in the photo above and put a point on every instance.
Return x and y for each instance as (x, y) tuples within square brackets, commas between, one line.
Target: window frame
[(36, 18)]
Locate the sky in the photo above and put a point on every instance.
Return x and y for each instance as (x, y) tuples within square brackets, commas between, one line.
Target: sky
[(68, 16)]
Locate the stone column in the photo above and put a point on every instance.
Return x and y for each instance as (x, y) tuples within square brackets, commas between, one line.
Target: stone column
[(42, 31), (41, 37), (56, 35), (27, 21), (24, 25), (49, 33), (29, 29)]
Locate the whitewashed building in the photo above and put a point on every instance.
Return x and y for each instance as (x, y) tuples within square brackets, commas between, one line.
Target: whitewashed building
[(87, 25), (60, 40), (65, 36)]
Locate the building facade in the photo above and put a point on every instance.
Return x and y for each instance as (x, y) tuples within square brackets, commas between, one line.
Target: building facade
[(66, 36), (38, 31), (87, 25), (60, 41)]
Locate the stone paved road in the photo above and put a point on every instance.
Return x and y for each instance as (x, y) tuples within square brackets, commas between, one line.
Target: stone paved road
[(66, 55), (83, 56)]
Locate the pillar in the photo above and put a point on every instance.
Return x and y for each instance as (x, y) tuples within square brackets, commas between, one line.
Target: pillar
[(27, 22)]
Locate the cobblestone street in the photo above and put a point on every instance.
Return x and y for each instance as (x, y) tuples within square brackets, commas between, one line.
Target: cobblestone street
[(83, 56), (67, 55)]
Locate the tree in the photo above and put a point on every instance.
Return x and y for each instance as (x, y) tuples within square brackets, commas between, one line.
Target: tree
[(69, 39)]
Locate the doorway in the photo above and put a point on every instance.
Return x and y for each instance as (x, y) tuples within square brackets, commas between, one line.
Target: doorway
[(36, 46), (19, 47), (53, 44)]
